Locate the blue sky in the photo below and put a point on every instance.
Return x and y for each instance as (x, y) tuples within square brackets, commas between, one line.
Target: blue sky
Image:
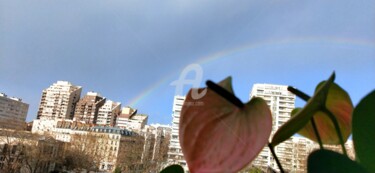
[(122, 49)]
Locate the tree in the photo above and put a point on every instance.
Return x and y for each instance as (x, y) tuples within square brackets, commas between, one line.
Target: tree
[(26, 152), (87, 151), (130, 153), (161, 151)]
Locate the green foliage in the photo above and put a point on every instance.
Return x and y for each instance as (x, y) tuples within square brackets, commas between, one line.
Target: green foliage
[(303, 117), (255, 170), (173, 169), (117, 170), (364, 131), (340, 105), (328, 161)]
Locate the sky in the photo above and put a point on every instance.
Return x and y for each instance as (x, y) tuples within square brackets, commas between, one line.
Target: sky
[(130, 51)]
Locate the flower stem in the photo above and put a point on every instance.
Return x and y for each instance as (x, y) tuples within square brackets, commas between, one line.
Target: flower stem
[(306, 97), (277, 159), (337, 127), (225, 94), (316, 133)]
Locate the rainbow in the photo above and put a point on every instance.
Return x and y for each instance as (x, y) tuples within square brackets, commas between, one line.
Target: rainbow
[(148, 91), (225, 53)]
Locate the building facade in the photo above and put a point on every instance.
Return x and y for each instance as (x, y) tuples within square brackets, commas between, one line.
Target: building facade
[(156, 142), (108, 113), (102, 144), (13, 112), (44, 125), (281, 103), (129, 119), (58, 101), (87, 108), (302, 147), (175, 154)]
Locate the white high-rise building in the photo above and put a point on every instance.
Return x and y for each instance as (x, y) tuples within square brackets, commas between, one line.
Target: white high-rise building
[(13, 112), (58, 101), (175, 154), (281, 104), (108, 113)]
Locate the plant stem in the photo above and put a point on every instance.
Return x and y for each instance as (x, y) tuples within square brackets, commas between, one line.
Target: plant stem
[(306, 97), (277, 159), (225, 94), (316, 133), (337, 127), (329, 113)]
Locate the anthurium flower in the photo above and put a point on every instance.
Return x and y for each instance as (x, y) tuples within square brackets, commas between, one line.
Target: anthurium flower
[(297, 122), (328, 98), (218, 136), (340, 105)]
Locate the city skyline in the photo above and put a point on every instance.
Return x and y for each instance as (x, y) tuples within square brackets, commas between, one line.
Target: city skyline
[(130, 52)]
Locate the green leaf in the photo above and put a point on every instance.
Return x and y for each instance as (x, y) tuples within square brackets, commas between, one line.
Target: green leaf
[(364, 131), (339, 103), (173, 169), (328, 161), (303, 117)]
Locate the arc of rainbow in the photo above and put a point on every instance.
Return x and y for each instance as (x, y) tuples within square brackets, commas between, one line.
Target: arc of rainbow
[(224, 53)]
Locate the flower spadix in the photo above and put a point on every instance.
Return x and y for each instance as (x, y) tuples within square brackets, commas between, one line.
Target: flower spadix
[(219, 136)]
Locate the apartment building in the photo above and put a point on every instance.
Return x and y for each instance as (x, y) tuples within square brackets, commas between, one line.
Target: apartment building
[(44, 126), (108, 113), (59, 100), (88, 107), (129, 119), (302, 147), (175, 154), (156, 143), (281, 103), (101, 143), (13, 112)]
